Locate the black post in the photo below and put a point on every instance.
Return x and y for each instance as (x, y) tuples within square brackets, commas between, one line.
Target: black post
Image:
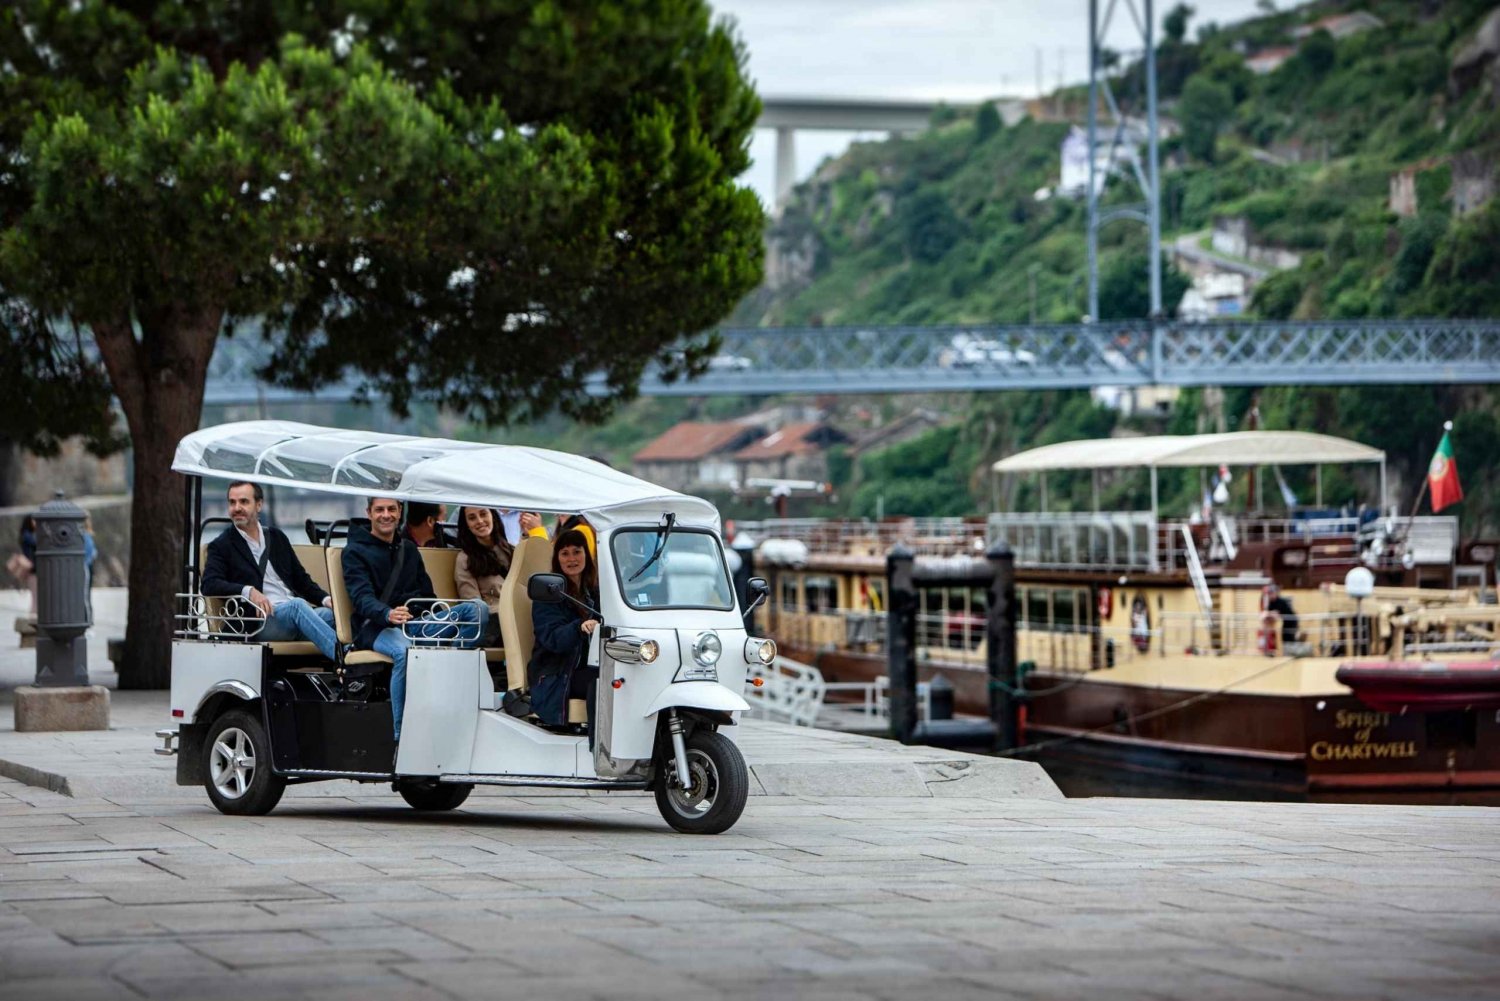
[(744, 547), (901, 642), (1000, 655)]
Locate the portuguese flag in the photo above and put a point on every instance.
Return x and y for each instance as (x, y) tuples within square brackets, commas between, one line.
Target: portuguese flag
[(1442, 476)]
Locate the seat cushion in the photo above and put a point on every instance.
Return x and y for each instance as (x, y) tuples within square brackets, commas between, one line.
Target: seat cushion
[(494, 655), (365, 657)]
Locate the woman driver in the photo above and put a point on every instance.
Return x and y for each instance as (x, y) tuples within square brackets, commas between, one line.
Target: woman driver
[(563, 632)]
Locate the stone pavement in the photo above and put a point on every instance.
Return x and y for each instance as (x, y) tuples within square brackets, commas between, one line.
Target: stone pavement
[(944, 888)]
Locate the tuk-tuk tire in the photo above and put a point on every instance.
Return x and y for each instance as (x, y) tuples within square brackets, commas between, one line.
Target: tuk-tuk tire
[(432, 796), (265, 787), (733, 785)]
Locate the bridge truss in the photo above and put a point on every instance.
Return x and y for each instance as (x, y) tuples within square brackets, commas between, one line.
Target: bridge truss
[(825, 360)]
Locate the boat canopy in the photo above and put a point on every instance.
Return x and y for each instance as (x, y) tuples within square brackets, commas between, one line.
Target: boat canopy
[(1232, 448), (437, 470)]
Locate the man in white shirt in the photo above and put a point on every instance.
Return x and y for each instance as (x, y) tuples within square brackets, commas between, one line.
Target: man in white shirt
[(258, 565)]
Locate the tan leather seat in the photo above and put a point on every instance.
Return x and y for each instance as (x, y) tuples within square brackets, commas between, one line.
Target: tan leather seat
[(311, 558), (439, 564), (533, 555), (343, 612)]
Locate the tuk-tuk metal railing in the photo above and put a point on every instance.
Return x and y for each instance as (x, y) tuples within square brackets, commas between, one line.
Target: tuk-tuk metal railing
[(210, 617)]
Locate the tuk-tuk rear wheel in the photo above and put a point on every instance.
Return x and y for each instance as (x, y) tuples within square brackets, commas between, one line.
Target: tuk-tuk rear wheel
[(237, 766), (431, 795), (720, 786)]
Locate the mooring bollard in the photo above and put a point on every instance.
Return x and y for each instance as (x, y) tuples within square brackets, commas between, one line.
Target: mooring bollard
[(1000, 652), (62, 698), (901, 643)]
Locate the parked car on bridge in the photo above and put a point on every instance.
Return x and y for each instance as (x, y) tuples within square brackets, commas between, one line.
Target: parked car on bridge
[(968, 351)]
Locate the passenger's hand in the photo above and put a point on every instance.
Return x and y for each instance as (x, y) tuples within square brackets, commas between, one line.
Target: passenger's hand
[(529, 521), (398, 616), (589, 625), (260, 601)]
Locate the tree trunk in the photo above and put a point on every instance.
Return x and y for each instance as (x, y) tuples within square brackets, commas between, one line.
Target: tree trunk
[(159, 379)]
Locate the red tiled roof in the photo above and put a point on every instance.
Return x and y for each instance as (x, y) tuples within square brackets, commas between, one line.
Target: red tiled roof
[(692, 440), (790, 440)]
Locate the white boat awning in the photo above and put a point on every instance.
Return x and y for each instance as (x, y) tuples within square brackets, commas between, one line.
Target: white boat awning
[(438, 470), (1233, 448)]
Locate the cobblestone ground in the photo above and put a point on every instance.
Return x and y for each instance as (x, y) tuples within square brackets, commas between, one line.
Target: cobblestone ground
[(352, 895), (961, 886)]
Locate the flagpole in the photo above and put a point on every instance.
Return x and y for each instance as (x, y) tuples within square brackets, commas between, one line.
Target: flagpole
[(1426, 481)]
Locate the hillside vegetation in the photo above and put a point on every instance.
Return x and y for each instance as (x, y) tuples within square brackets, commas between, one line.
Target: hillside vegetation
[(946, 227)]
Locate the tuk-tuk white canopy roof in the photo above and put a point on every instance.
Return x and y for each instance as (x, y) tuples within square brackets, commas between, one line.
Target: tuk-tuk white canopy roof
[(1233, 448), (438, 470)]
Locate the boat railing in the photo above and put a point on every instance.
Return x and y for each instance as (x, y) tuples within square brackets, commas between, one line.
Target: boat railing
[(865, 537), (1319, 634), (1102, 540)]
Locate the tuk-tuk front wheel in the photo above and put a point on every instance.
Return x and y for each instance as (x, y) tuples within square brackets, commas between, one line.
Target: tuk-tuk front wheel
[(237, 766), (430, 795), (717, 795)]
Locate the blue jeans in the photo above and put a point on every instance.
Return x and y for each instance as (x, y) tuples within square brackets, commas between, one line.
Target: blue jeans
[(295, 619), (463, 621)]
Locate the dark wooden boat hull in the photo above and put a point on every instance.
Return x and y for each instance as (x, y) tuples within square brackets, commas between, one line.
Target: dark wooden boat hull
[(1254, 745)]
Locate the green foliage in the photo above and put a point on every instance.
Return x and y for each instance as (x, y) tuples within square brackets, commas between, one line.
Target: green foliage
[(944, 228), (1124, 293), (1174, 25), (479, 204), (1204, 107), (986, 122)]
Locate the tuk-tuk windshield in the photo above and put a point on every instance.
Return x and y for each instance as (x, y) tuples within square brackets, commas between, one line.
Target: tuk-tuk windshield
[(688, 573)]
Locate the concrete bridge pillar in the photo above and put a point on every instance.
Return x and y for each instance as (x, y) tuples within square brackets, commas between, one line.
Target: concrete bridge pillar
[(786, 163)]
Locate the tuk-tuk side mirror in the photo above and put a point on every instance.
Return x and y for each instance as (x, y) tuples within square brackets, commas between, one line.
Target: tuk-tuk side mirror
[(547, 588), (757, 590)]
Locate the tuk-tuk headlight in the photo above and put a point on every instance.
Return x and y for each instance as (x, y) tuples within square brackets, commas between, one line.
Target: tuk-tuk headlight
[(760, 651), (649, 651), (707, 649)]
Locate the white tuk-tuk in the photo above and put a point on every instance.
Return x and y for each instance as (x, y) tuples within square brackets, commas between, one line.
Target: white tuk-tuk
[(673, 652)]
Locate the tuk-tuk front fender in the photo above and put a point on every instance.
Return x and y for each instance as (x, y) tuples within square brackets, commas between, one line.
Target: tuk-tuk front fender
[(697, 695)]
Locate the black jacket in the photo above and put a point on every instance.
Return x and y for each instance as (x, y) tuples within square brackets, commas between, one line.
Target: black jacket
[(560, 643), (368, 564), (230, 567)]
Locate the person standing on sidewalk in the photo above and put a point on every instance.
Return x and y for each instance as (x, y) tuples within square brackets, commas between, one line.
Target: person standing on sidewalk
[(257, 564)]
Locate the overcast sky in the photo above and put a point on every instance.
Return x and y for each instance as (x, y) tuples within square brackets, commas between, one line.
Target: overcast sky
[(957, 50)]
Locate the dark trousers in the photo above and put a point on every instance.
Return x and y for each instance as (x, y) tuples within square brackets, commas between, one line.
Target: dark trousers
[(550, 694)]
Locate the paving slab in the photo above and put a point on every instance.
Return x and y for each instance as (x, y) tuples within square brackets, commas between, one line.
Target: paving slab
[(863, 870)]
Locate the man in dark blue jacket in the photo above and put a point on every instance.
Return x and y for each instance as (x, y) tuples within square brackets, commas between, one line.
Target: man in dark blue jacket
[(382, 572)]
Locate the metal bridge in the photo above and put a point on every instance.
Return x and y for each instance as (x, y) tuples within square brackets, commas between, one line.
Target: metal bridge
[(961, 359)]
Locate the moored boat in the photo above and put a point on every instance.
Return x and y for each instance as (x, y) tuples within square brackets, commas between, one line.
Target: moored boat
[(1204, 650)]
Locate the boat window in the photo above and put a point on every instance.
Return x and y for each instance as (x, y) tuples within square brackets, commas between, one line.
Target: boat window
[(789, 594), (820, 593), (1037, 616), (688, 573), (1064, 610)]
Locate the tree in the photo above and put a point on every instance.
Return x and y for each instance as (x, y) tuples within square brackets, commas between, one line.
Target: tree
[(1205, 106), (986, 121), (482, 204), (1125, 290), (1174, 26), (928, 225)]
